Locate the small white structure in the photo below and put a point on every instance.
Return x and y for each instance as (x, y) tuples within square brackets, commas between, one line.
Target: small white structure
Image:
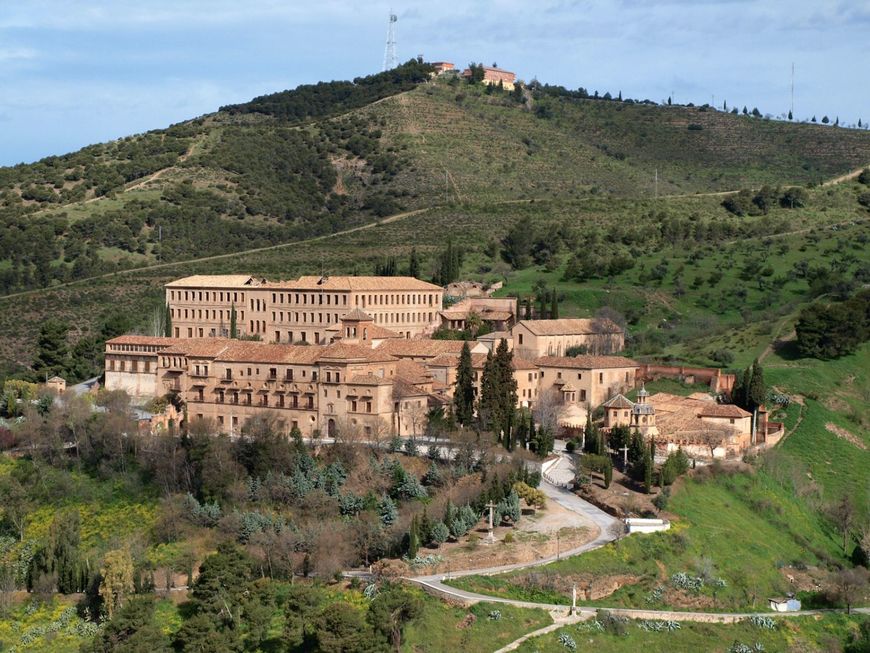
[(638, 525), (784, 604)]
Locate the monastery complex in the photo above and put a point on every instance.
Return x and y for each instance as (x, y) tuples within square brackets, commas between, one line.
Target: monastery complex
[(345, 356)]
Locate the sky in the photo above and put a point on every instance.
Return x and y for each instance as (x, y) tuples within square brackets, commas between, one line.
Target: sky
[(76, 72)]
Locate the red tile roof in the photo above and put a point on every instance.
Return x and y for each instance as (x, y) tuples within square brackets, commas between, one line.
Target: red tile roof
[(586, 362)]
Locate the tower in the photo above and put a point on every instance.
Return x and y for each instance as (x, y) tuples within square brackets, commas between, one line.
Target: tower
[(390, 58)]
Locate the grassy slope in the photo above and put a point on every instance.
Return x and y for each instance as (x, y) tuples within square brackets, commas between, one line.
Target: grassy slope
[(742, 526), (792, 635)]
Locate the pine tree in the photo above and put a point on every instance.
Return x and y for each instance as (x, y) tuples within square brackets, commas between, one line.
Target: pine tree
[(234, 327), (51, 353), (463, 394), (414, 265), (790, 116), (554, 306)]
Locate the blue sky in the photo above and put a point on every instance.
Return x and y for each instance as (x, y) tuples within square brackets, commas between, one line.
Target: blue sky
[(74, 72)]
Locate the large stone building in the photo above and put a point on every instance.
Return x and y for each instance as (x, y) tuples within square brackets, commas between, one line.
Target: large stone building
[(303, 310), (534, 338), (495, 76), (337, 388)]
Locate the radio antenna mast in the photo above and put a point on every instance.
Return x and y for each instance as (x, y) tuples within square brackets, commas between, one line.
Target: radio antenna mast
[(390, 58)]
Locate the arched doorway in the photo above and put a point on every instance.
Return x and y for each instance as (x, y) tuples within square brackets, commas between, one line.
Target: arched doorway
[(330, 428)]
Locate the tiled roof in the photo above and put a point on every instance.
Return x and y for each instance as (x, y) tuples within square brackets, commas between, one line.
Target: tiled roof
[(523, 363), (143, 340), (214, 281), (586, 362), (418, 348), (723, 410), (199, 347), (259, 352), (619, 401), (313, 282), (342, 351), (378, 332), (570, 326), (359, 315), (413, 372), (403, 389)]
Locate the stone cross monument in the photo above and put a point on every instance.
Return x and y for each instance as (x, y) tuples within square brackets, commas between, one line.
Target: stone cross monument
[(490, 538)]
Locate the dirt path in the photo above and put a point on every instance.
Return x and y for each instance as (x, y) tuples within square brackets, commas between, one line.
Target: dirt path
[(847, 177), (217, 257)]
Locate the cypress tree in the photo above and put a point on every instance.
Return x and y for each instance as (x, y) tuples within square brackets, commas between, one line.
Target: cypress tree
[(463, 394), (542, 308), (757, 391), (167, 321), (737, 390), (522, 432), (414, 265), (234, 327), (554, 306), (747, 382), (487, 407), (608, 472), (528, 309), (506, 385), (533, 437), (647, 470)]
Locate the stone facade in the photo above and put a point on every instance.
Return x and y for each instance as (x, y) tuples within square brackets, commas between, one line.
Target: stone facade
[(336, 389), (534, 338), (586, 380), (299, 311)]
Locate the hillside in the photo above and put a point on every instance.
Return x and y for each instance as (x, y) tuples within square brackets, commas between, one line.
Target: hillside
[(326, 157)]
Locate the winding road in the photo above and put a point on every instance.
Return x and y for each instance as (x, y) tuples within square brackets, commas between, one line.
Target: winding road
[(588, 515)]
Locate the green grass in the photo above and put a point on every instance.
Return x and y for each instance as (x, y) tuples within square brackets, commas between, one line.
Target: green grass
[(828, 633), (441, 628), (738, 527)]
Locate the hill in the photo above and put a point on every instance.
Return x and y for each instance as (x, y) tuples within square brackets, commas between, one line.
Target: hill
[(326, 157)]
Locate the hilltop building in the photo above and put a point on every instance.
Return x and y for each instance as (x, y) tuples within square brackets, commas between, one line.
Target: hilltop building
[(494, 76), (442, 67), (303, 310)]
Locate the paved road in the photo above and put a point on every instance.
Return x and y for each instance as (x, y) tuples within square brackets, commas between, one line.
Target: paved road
[(588, 515)]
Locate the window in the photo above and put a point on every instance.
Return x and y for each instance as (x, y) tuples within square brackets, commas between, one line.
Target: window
[(601, 377), (521, 338), (582, 395), (229, 374)]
